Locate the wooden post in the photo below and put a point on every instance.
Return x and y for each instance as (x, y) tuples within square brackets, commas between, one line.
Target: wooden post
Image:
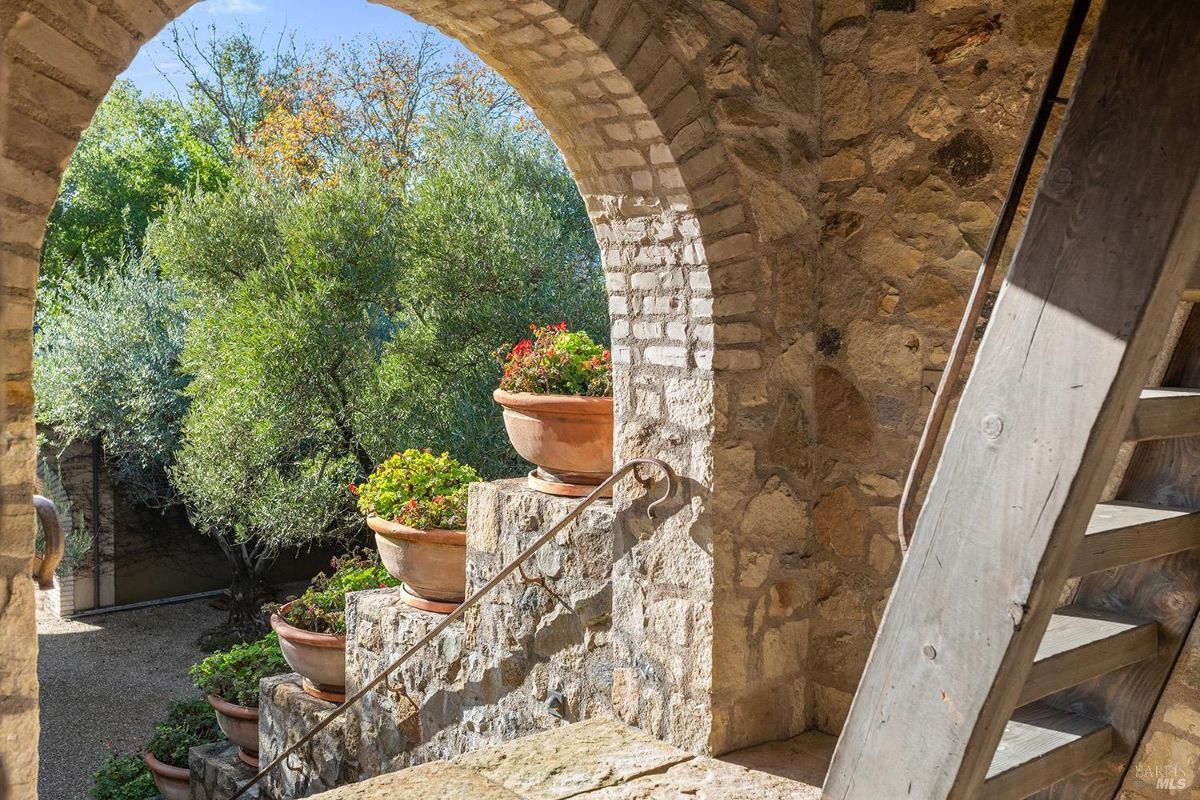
[(1112, 237)]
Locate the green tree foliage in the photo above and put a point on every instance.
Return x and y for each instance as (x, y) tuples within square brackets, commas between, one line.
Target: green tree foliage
[(291, 293), (137, 153), (335, 325), (343, 283), (497, 237), (107, 364)]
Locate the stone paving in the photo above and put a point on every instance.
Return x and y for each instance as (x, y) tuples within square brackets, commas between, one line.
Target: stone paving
[(601, 759)]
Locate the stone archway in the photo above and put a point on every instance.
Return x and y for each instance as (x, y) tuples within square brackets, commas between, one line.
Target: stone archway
[(691, 129)]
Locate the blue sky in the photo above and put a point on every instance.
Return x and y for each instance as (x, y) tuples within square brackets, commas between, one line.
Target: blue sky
[(317, 22)]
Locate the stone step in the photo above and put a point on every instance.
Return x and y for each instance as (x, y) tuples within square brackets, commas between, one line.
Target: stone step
[(488, 678), (599, 759), (217, 772), (287, 712)]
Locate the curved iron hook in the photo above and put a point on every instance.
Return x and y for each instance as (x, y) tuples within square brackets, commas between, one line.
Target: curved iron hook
[(668, 476)]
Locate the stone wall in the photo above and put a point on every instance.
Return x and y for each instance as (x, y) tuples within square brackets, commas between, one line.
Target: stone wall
[(925, 107), (790, 197)]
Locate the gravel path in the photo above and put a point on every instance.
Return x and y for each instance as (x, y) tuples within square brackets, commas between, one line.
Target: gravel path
[(105, 681)]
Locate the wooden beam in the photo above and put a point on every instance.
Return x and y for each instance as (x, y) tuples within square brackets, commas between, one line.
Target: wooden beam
[(1081, 644), (1165, 589), (1123, 532), (1165, 413), (1040, 746), (1113, 233)]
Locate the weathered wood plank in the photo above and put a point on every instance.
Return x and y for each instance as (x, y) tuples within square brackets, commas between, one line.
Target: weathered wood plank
[(1081, 644), (1122, 532), (1166, 589), (1112, 237), (1165, 413), (1040, 745)]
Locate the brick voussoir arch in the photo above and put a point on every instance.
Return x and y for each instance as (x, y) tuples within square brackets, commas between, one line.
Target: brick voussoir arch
[(666, 201)]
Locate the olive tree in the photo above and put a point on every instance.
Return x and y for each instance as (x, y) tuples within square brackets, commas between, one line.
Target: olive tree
[(108, 365)]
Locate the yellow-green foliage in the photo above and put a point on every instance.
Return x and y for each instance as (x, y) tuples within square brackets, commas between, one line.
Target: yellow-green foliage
[(418, 489)]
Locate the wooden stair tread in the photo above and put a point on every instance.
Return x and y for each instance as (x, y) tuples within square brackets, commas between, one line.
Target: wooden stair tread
[(1165, 413), (1084, 643), (1122, 532), (1040, 746)]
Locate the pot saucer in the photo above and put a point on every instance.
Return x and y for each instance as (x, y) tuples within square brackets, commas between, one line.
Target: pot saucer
[(331, 697), (541, 482), (425, 604)]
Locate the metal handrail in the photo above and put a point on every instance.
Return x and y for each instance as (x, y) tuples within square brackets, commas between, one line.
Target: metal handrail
[(42, 566), (512, 566), (987, 270)]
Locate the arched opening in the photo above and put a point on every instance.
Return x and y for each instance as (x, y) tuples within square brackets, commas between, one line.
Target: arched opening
[(696, 290)]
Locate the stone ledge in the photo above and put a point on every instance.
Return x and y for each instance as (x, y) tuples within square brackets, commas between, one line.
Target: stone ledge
[(708, 779), (582, 758), (438, 780), (600, 759), (287, 713), (217, 772)]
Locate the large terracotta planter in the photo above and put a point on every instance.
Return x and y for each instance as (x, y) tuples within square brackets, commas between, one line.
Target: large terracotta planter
[(570, 439), (240, 725), (431, 565), (174, 783), (320, 658)]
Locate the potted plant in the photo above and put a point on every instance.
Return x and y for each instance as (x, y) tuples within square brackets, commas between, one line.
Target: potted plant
[(312, 627), (556, 392), (229, 679), (416, 503), (123, 777), (190, 723)]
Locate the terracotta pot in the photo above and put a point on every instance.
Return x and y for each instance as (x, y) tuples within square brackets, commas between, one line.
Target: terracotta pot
[(431, 564), (320, 658), (174, 783), (240, 725), (569, 438)]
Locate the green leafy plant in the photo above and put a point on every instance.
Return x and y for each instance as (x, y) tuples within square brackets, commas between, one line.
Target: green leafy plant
[(189, 723), (233, 674), (418, 489), (322, 607), (123, 777), (557, 361)]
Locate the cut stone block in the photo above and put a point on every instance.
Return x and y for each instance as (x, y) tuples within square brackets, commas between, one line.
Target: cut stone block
[(709, 779), (440, 780), (287, 713), (582, 758), (217, 772)]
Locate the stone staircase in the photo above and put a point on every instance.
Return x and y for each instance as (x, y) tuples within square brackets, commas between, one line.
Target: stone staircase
[(601, 759), (533, 656)]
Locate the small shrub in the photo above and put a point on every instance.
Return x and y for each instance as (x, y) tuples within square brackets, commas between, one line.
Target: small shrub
[(557, 361), (189, 723), (418, 489), (123, 778), (322, 607), (233, 675)]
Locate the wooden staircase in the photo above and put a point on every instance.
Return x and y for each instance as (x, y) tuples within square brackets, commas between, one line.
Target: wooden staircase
[(1032, 627)]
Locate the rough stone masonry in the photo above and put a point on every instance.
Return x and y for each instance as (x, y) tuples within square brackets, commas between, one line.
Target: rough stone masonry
[(789, 196)]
